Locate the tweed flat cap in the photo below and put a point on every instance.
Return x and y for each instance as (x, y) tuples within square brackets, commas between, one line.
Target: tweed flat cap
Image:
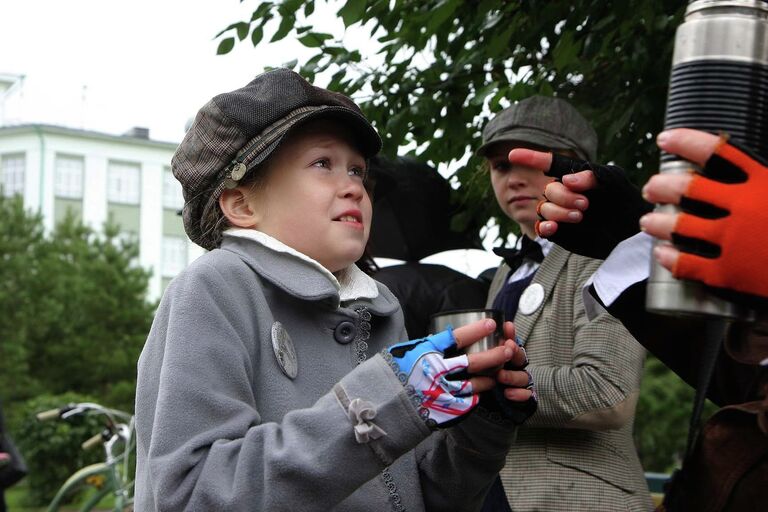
[(551, 123), (236, 131)]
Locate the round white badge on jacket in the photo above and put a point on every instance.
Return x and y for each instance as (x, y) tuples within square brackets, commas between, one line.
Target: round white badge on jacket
[(531, 299), (282, 345)]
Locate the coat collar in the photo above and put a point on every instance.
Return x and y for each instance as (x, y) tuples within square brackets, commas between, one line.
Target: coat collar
[(300, 277)]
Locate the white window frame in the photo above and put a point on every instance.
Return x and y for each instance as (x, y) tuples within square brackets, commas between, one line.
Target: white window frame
[(13, 168), (172, 196), (174, 256), (123, 182), (69, 174)]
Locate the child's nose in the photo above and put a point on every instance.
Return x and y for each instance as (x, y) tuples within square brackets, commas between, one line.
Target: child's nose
[(353, 187)]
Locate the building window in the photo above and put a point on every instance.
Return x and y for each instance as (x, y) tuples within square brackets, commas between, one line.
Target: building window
[(12, 169), (69, 176), (172, 197), (123, 183), (174, 255)]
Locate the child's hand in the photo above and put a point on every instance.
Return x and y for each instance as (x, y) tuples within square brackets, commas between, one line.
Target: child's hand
[(515, 396), (422, 365)]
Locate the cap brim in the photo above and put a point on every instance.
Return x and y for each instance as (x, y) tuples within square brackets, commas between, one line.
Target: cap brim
[(367, 138), (525, 136)]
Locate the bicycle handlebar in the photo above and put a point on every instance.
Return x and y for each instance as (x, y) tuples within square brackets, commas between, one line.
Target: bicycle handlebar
[(93, 441), (48, 415), (84, 408)]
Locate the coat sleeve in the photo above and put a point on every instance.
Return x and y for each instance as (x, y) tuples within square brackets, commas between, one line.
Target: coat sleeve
[(598, 390), (201, 441), (457, 465), (676, 341)]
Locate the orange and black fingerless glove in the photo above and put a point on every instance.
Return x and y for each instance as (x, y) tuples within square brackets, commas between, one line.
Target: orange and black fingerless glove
[(722, 230)]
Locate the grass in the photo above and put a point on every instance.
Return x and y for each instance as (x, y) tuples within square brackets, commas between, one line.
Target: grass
[(16, 497)]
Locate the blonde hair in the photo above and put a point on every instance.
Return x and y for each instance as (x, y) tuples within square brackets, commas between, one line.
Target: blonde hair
[(213, 223)]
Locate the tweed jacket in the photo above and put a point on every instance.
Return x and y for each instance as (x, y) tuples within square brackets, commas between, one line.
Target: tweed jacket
[(251, 390), (576, 452)]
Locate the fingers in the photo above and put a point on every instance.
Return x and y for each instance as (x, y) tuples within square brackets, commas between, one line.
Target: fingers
[(666, 188), (546, 228), (481, 384), (580, 181), (659, 225), (493, 358), (690, 144), (516, 378), (530, 158), (509, 330), (518, 394), (666, 255), (563, 196), (552, 211), (519, 358), (468, 334)]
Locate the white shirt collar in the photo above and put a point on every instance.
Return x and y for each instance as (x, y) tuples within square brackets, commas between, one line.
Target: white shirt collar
[(351, 282)]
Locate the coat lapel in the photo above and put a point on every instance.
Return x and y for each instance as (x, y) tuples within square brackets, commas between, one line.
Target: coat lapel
[(546, 276)]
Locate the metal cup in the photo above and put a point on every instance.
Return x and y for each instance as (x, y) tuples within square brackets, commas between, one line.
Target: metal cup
[(458, 317)]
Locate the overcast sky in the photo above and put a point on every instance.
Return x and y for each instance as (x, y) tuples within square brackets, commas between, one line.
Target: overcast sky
[(109, 65)]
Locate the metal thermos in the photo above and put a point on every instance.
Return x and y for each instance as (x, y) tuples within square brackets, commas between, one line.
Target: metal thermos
[(719, 82), (459, 317)]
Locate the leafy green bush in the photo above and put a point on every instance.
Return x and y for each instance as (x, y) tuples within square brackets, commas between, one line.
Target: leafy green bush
[(52, 448), (663, 415)]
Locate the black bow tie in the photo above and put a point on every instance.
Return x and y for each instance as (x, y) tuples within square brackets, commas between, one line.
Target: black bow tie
[(529, 250)]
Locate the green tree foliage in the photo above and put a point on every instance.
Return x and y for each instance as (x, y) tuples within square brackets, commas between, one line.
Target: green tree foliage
[(52, 449), (444, 66), (75, 309), (663, 414)]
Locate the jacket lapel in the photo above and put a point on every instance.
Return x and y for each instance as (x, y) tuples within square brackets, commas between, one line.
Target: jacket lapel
[(546, 276)]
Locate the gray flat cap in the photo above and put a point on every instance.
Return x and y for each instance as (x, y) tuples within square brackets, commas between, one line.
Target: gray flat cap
[(236, 131), (551, 123)]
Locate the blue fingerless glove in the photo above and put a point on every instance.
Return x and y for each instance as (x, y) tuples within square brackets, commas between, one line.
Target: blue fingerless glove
[(422, 367)]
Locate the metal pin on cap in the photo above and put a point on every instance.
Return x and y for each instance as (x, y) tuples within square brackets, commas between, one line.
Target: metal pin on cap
[(236, 173)]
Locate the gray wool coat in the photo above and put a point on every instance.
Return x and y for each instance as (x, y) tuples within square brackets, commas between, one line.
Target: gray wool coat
[(221, 426)]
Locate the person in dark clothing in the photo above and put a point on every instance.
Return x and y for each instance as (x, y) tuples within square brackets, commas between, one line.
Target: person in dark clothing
[(727, 467), (424, 289), (412, 219)]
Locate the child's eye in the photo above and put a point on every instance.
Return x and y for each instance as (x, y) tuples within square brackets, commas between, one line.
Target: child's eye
[(323, 162), (358, 172), (501, 166)]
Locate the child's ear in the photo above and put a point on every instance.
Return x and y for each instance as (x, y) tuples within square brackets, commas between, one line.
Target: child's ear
[(237, 208)]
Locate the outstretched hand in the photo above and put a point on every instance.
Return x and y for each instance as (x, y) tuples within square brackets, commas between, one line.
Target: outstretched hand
[(590, 209), (714, 236)]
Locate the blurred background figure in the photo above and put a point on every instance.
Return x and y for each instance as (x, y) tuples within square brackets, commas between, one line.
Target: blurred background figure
[(12, 465), (412, 214)]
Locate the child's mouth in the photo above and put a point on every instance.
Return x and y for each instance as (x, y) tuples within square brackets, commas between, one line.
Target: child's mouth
[(351, 216)]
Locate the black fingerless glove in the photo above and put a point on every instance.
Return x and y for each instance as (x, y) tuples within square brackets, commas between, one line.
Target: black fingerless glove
[(615, 208), (495, 402)]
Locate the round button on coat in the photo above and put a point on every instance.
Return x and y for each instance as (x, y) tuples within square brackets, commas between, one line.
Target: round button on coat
[(344, 332)]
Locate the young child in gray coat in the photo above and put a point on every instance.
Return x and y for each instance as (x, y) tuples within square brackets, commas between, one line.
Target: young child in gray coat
[(272, 378)]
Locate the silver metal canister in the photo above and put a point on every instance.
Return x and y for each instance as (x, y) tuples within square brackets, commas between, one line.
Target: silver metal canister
[(457, 318), (719, 82)]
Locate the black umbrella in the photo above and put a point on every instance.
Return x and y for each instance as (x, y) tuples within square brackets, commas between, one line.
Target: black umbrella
[(412, 212)]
